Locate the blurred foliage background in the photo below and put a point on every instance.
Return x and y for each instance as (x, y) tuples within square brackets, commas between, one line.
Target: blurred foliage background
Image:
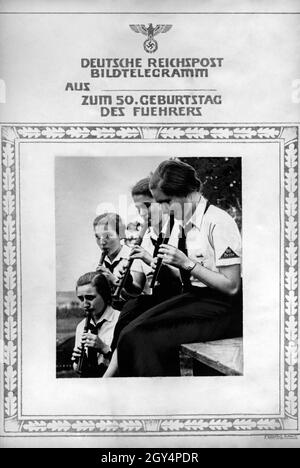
[(221, 185), (221, 182)]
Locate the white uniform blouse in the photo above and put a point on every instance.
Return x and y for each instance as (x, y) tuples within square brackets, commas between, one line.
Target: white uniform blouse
[(105, 333), (213, 239)]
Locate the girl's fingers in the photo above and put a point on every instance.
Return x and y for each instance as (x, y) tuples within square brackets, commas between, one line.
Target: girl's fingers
[(165, 249)]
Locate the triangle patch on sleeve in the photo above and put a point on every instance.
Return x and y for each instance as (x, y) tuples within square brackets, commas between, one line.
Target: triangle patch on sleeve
[(229, 253)]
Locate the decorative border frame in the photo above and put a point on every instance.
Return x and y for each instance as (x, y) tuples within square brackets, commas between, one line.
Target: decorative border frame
[(15, 424)]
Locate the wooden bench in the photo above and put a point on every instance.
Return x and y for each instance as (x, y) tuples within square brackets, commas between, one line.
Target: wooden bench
[(222, 357)]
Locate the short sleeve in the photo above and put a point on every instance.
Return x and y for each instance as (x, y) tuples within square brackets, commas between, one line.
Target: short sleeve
[(227, 242)]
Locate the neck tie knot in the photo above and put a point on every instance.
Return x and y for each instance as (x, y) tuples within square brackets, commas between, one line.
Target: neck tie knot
[(94, 329)]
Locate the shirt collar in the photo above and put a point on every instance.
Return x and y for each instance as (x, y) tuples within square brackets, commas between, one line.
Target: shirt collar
[(107, 315), (196, 218), (122, 254)]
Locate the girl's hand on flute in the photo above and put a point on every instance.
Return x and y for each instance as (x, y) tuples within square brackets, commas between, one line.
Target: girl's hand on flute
[(153, 264), (107, 273), (76, 354), (119, 274), (172, 256), (93, 341), (140, 253)]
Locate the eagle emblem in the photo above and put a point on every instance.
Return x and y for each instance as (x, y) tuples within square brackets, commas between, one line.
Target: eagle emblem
[(150, 44)]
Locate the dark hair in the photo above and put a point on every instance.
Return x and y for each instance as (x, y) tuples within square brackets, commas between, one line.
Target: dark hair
[(175, 178), (142, 188), (112, 219), (99, 281)]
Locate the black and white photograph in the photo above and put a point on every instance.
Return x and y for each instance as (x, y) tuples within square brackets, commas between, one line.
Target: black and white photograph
[(131, 267)]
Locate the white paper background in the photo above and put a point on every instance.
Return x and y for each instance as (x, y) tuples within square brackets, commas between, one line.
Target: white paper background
[(256, 392), (41, 53)]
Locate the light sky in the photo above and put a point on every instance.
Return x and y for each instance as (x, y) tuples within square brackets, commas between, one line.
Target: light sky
[(83, 188)]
